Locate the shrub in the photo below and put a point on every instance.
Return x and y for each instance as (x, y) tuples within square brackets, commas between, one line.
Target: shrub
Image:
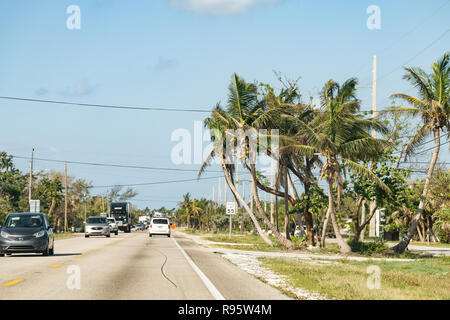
[(442, 225), (368, 248)]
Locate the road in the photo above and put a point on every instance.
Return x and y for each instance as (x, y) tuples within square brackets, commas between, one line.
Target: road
[(128, 266)]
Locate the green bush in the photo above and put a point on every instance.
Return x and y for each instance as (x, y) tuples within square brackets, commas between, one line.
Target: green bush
[(368, 248), (442, 225)]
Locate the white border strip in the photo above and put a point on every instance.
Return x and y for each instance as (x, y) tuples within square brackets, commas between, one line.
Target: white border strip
[(209, 285)]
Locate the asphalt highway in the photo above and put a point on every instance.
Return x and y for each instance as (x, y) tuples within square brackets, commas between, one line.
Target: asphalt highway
[(128, 266)]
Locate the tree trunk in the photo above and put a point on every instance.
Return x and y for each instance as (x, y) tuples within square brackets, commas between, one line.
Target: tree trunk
[(285, 242), (403, 244), (286, 205), (357, 229), (344, 247), (324, 229), (52, 207), (420, 234), (243, 204), (363, 220), (188, 220)]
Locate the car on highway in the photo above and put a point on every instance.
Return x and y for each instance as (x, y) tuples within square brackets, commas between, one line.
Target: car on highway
[(97, 226), (113, 226), (159, 226), (27, 233)]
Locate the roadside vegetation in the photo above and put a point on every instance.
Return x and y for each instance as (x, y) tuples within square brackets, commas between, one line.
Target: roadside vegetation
[(48, 187), (66, 235), (337, 164), (419, 279)]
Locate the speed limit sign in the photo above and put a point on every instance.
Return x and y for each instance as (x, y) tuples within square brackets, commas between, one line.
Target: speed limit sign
[(230, 208)]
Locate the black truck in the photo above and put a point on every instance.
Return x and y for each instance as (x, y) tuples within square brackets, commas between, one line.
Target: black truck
[(121, 211)]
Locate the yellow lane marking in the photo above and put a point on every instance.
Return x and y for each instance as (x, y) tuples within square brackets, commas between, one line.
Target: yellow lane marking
[(80, 256), (57, 265), (94, 250), (11, 283)]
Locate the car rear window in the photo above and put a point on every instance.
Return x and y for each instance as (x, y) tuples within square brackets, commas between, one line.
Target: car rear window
[(160, 221), (96, 220)]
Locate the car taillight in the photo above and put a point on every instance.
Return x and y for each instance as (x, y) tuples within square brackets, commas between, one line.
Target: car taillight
[(150, 226)]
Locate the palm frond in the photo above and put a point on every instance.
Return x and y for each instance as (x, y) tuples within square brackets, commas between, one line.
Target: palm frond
[(367, 173)]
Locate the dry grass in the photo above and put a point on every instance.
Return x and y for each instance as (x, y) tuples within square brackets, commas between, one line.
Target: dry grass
[(421, 279)]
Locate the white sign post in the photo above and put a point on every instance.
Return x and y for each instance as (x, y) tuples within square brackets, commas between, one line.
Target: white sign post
[(35, 205), (230, 209)]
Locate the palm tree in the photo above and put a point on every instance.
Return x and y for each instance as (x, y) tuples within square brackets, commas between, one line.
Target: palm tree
[(243, 108), (342, 137), (186, 205), (432, 105), (196, 210)]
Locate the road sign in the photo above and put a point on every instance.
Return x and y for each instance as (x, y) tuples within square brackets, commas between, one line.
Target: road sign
[(35, 205), (231, 208)]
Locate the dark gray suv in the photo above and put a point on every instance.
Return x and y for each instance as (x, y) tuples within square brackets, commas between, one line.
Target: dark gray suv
[(27, 233)]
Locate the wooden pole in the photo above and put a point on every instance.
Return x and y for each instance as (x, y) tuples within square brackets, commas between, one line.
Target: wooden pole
[(30, 183), (372, 224), (65, 196)]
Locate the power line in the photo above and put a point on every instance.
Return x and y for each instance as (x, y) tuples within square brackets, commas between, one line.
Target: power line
[(153, 183), (159, 200), (432, 148), (425, 162), (423, 143), (111, 165), (416, 55), (105, 105), (406, 34)]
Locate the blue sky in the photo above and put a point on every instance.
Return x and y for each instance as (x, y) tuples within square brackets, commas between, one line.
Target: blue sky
[(181, 54)]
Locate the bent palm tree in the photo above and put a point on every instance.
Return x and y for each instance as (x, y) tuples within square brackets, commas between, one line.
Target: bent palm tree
[(242, 109), (432, 105), (342, 138)]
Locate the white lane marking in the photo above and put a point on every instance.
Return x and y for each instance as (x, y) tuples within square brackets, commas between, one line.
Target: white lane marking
[(209, 285)]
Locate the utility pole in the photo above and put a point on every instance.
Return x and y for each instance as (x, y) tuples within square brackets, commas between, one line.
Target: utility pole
[(286, 204), (372, 223), (225, 190), (251, 200), (276, 211), (30, 184), (219, 191), (213, 191), (272, 179), (85, 206), (65, 196)]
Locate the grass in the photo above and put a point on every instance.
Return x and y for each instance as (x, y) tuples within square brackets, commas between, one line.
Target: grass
[(419, 279), (194, 231), (251, 242), (65, 235), (424, 244), (246, 238)]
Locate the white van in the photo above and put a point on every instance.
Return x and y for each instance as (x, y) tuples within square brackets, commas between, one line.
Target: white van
[(159, 226)]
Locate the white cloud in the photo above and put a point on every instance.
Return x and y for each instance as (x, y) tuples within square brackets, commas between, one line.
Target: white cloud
[(82, 88), (218, 7), (164, 64)]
